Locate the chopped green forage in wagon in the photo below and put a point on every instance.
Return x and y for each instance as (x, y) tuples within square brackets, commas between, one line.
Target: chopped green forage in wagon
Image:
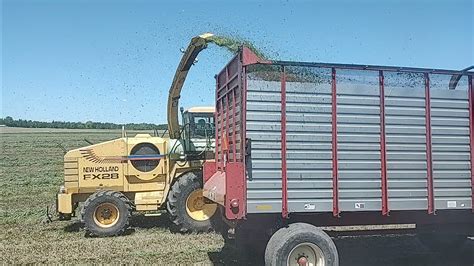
[(232, 44)]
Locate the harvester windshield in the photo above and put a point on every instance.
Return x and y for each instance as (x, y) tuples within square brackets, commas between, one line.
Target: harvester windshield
[(201, 126), (198, 129)]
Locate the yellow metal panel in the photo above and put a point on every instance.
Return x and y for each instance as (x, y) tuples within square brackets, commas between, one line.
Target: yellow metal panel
[(71, 184), (95, 189), (152, 207), (146, 186), (71, 178), (73, 171), (155, 198), (159, 170), (65, 203), (106, 166), (101, 165), (73, 190), (203, 109), (141, 135), (70, 164)]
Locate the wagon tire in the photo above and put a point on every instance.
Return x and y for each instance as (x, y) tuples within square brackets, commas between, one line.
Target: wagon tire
[(106, 213), (300, 242), (188, 210)]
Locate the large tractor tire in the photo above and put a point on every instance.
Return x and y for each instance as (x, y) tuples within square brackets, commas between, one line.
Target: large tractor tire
[(187, 208), (301, 244), (106, 213)]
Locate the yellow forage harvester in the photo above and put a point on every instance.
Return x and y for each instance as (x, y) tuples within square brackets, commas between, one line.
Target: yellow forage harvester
[(144, 172)]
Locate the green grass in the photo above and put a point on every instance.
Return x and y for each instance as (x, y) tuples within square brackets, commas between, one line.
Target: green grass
[(31, 172)]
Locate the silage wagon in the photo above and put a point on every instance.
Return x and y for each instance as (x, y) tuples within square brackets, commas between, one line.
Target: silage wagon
[(300, 146)]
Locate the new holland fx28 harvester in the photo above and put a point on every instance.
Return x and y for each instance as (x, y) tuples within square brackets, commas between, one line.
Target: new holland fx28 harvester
[(145, 173)]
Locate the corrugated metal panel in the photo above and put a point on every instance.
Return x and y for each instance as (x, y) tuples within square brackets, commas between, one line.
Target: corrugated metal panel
[(263, 128), (358, 143), (309, 147), (308, 108), (406, 142), (451, 159)]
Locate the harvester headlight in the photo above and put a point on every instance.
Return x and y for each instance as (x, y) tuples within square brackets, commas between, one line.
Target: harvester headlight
[(62, 190)]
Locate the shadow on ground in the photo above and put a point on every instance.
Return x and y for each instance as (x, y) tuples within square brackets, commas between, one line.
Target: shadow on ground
[(369, 251), (146, 222), (398, 250), (384, 250), (137, 221)]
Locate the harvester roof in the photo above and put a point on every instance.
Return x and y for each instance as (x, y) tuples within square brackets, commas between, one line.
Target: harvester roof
[(201, 109)]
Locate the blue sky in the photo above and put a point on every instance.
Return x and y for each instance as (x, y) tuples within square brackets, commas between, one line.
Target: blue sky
[(115, 60)]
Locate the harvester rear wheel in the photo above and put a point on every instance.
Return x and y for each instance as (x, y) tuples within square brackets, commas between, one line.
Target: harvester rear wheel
[(106, 213), (187, 208)]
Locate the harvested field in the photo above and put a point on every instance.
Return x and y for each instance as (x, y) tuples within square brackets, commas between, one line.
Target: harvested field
[(31, 171)]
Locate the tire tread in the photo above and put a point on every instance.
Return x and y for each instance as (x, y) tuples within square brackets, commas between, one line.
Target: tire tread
[(102, 193), (175, 200)]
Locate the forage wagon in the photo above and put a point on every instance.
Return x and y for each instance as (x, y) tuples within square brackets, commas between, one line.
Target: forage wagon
[(300, 146)]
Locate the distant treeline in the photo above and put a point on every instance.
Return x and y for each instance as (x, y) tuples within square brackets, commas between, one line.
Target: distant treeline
[(10, 122)]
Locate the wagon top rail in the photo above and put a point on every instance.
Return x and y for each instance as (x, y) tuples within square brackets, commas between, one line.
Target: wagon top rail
[(467, 71)]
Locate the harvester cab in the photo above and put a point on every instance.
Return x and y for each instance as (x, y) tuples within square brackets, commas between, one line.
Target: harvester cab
[(198, 132), (144, 172)]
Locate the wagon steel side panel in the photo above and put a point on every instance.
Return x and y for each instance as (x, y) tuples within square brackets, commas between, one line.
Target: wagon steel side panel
[(227, 184), (263, 128), (295, 137), (359, 140), (406, 141), (230, 102), (450, 144), (309, 134)]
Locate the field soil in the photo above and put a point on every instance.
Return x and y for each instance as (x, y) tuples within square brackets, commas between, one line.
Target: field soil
[(31, 171)]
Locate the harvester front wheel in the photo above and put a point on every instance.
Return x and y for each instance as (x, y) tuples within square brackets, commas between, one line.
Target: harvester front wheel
[(106, 213), (187, 208)]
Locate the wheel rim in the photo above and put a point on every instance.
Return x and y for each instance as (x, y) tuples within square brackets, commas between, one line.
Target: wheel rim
[(306, 254), (197, 208), (106, 215)]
